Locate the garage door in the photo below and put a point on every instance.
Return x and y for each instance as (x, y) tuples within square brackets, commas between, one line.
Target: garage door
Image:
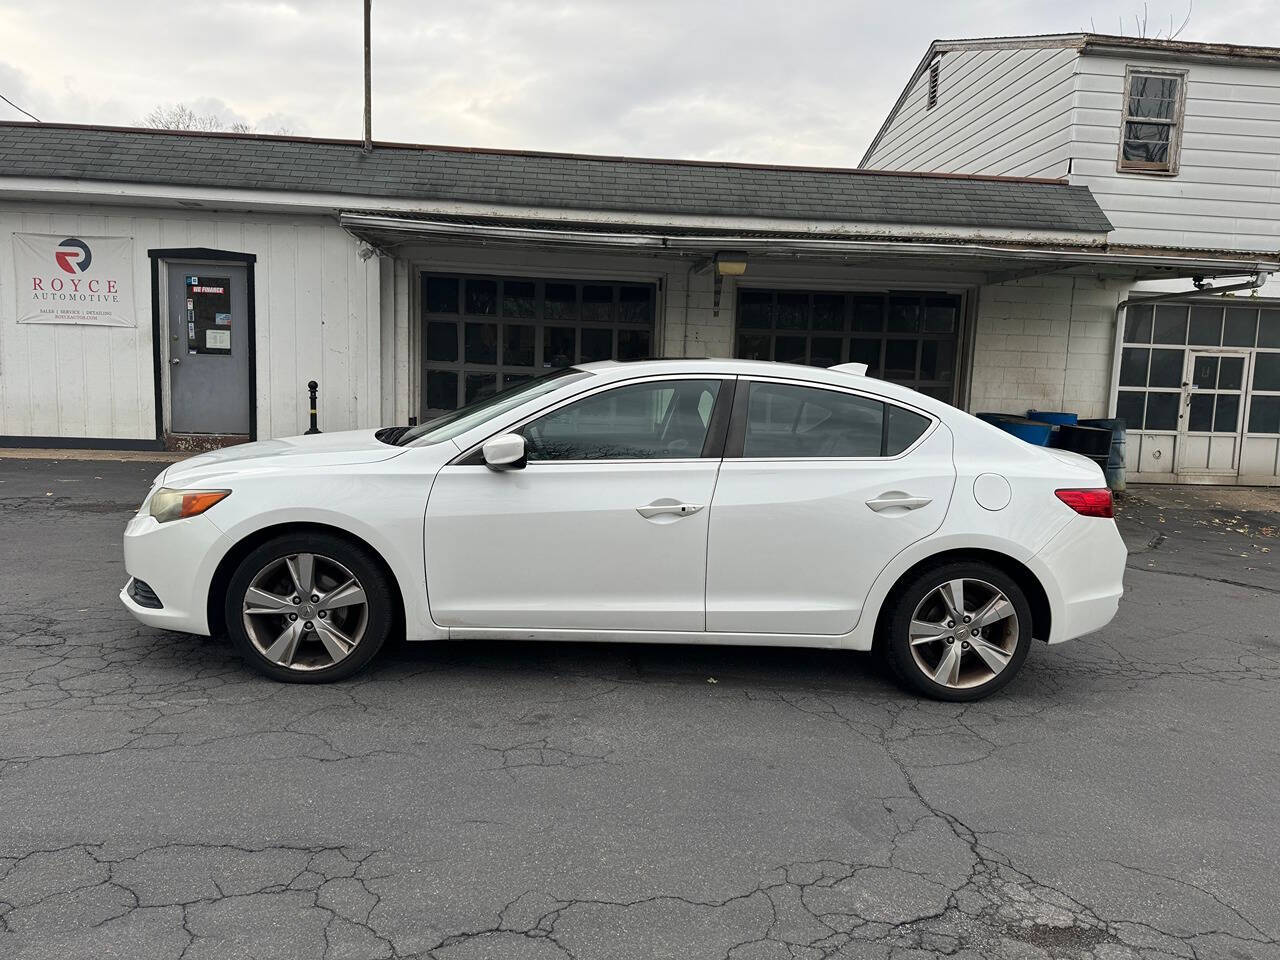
[(909, 337), (484, 333)]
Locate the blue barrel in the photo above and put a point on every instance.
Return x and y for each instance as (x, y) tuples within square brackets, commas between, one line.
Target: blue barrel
[(1032, 431), (1056, 417), (1115, 458)]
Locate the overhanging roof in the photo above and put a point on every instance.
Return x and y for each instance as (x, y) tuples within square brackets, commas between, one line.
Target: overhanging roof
[(435, 174), (998, 261)]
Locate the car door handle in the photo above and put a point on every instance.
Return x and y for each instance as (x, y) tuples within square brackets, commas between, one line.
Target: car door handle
[(664, 508), (887, 500)]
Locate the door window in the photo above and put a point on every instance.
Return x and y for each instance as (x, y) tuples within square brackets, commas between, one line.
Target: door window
[(662, 420), (785, 420)]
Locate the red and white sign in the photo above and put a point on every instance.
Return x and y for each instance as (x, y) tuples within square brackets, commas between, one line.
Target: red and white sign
[(74, 279)]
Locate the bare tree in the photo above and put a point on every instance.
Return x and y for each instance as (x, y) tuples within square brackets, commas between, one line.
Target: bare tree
[(179, 116), (1144, 29)]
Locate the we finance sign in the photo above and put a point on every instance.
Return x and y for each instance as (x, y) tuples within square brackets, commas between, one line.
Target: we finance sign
[(80, 279)]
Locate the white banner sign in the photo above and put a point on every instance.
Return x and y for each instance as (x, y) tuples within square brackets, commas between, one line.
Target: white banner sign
[(63, 279)]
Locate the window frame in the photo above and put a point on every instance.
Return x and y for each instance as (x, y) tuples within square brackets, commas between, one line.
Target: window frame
[(712, 447), (735, 442), (1175, 125)]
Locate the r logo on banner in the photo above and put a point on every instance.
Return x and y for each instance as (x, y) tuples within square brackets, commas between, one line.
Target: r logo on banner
[(80, 280)]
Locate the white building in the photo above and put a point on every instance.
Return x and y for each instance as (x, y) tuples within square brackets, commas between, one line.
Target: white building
[(411, 279), (1178, 142)]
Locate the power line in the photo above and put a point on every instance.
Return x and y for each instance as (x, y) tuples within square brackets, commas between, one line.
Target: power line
[(18, 108)]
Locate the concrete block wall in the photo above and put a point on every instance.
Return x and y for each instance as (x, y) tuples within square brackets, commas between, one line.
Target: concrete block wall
[(1045, 343)]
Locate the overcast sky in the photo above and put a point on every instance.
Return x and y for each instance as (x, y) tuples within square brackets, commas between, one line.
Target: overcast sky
[(783, 81)]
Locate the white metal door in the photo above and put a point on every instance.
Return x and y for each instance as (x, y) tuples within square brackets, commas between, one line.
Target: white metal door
[(575, 545), (796, 543), (1210, 422)]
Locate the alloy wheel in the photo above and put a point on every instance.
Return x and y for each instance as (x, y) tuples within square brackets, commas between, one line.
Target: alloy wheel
[(305, 612), (963, 633)]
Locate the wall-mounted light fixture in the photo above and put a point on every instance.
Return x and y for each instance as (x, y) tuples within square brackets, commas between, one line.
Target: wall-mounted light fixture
[(729, 263)]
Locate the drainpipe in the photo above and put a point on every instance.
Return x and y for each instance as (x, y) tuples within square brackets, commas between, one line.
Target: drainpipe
[(1202, 290)]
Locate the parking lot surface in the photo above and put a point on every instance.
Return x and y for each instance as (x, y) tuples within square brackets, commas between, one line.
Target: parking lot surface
[(485, 800)]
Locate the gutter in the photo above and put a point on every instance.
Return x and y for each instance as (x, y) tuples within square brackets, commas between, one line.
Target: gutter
[(709, 244)]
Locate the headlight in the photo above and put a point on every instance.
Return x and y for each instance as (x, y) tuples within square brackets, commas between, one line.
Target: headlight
[(169, 504)]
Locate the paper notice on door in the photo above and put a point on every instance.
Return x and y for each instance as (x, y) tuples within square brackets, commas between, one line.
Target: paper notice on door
[(222, 319), (217, 339)]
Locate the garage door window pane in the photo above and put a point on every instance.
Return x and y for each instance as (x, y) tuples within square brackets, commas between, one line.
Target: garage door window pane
[(442, 341), (1162, 411), (482, 343), (1226, 414), (754, 309), (789, 349), (558, 346), (793, 311), (442, 390), (596, 344), (597, 303), (900, 359), (634, 305), (633, 345), (1206, 326), (1137, 324), (904, 314), (1200, 413), (754, 346), (868, 352), (517, 347), (1264, 415), (937, 359), (1171, 324), (1269, 328), (1241, 327), (482, 296), (1166, 368), (825, 351), (790, 421), (442, 295), (560, 301), (1231, 373), (868, 314), (940, 315), (645, 421), (1266, 371), (480, 385), (1129, 407), (1133, 367), (518, 298), (828, 311)]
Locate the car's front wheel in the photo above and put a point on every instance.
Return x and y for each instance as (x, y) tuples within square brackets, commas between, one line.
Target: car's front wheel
[(309, 608), (958, 631)]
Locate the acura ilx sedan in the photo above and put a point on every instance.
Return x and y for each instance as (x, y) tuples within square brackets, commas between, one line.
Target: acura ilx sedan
[(677, 501)]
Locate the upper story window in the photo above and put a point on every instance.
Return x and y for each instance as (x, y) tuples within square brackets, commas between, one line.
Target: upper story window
[(1152, 121)]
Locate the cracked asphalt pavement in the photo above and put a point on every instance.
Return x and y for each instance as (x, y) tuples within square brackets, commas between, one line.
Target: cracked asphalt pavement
[(484, 800)]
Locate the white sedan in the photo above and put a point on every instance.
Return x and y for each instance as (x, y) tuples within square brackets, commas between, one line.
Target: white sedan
[(677, 501)]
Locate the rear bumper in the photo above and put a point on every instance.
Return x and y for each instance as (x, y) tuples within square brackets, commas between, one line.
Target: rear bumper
[(1085, 563), (177, 560)]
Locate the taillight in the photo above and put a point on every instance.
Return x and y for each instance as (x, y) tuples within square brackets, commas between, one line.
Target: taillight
[(1094, 502)]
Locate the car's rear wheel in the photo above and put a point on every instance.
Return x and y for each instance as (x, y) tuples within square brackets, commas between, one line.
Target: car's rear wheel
[(958, 631), (309, 608)]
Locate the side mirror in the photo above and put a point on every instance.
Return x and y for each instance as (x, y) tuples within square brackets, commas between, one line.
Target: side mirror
[(505, 452)]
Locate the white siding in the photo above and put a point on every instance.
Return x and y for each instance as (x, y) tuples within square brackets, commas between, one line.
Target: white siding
[(317, 313), (1044, 343), (1005, 112), (1226, 194)]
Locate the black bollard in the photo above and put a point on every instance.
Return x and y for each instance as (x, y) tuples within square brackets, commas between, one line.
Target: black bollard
[(312, 386)]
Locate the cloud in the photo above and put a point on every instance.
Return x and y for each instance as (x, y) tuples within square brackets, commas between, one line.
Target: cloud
[(803, 81)]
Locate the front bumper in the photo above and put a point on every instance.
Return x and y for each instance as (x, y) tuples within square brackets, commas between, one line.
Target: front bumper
[(177, 560)]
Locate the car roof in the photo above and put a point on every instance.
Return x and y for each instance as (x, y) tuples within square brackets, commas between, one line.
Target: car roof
[(718, 366)]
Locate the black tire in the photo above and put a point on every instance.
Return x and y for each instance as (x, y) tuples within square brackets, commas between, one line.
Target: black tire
[(897, 647), (379, 605)]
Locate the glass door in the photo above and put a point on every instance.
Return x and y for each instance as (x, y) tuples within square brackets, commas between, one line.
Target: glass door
[(1212, 401)]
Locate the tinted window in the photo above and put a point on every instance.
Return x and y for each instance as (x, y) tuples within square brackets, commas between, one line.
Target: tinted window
[(903, 429), (645, 421), (792, 421)]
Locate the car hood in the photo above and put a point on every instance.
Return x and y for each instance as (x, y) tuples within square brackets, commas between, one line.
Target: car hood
[(316, 450)]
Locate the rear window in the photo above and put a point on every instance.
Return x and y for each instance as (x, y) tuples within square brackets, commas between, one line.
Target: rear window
[(791, 421)]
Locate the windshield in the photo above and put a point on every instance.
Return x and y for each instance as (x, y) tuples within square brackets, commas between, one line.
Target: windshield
[(473, 414)]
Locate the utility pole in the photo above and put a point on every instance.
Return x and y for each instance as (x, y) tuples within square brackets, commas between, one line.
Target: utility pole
[(368, 88)]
